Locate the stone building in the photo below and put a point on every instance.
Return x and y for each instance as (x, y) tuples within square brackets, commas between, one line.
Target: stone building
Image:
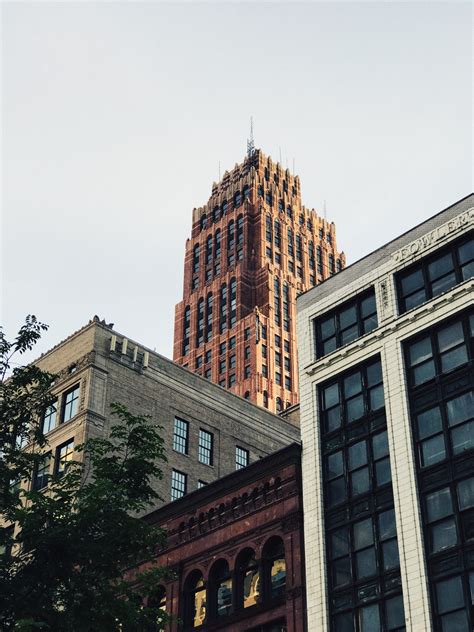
[(386, 352), (208, 431), (253, 248), (236, 547)]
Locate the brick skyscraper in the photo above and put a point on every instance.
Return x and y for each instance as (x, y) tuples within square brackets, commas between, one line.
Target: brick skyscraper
[(253, 248)]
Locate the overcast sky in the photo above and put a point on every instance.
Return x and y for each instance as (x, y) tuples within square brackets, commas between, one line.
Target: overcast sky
[(115, 117)]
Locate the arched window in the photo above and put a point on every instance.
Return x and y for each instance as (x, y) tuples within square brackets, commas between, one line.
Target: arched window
[(186, 329), (194, 601), (279, 405), (209, 249), (215, 214), (196, 258), (209, 317), (200, 322), (225, 206), (240, 229), (277, 232), (289, 211), (265, 399), (220, 590), (233, 303), (246, 191), (274, 568), (217, 244), (231, 235), (223, 309), (248, 589), (203, 221), (237, 199)]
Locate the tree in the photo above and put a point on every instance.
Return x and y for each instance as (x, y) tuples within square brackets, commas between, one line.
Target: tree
[(63, 567)]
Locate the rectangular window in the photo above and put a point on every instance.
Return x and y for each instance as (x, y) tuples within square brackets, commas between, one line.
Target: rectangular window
[(278, 378), (247, 333), (277, 358), (206, 447), (288, 382), (436, 274), (346, 323), (291, 265), (199, 362), (264, 351), (232, 361), (287, 363), (287, 346), (232, 380), (241, 457), (208, 357), (64, 454), (246, 372), (232, 342), (277, 341), (179, 482), (201, 484), (222, 366), (41, 473), (70, 403), (264, 370), (247, 353), (222, 348), (207, 374), (180, 435), (50, 417)]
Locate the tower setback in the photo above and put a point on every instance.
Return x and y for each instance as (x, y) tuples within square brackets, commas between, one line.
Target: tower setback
[(253, 248)]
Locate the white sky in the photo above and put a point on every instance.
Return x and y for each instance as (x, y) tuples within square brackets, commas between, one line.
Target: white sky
[(115, 117)]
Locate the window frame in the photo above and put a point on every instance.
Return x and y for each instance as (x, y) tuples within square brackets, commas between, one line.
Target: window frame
[(180, 441), (206, 447)]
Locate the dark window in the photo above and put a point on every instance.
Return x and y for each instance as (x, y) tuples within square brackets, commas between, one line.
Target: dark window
[(215, 214), (209, 302), (264, 332), (199, 362), (288, 382), (247, 333), (277, 358), (247, 372), (222, 347), (178, 484), (232, 380), (186, 329), (436, 274), (265, 399), (225, 206), (264, 351), (278, 378), (41, 472), (208, 374), (311, 260), (241, 457), (220, 590), (232, 342), (299, 250), (70, 403), (286, 345), (319, 259), (50, 417), (287, 363), (209, 249), (223, 309), (64, 454), (233, 303), (217, 244), (346, 323), (290, 243), (232, 361), (332, 269), (231, 235), (247, 353), (208, 356), (289, 212), (277, 341), (286, 307), (339, 265), (195, 603), (240, 229), (268, 228), (277, 231), (180, 435), (279, 405), (264, 370), (274, 568), (196, 259), (237, 199), (205, 448), (277, 301), (200, 322), (222, 366)]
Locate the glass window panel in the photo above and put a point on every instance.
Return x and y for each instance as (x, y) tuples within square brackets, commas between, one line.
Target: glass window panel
[(344, 623), (433, 451), (461, 408), (453, 359), (424, 372), (374, 374), (466, 493), (383, 474), (369, 618), (357, 455), (333, 417), (355, 408), (443, 535), (348, 317), (251, 587), (363, 534), (462, 438), (439, 504), (467, 271), (390, 555), (329, 345), (429, 422), (450, 336), (455, 622), (224, 597), (342, 571), (466, 251), (376, 398), (440, 266), (412, 282), (369, 324), (328, 328), (335, 465), (387, 525), (443, 284), (331, 396), (278, 577), (365, 563), (367, 306), (415, 299), (352, 385), (340, 542), (395, 613), (337, 491), (420, 351), (471, 587), (449, 594), (380, 445), (360, 482), (348, 335)]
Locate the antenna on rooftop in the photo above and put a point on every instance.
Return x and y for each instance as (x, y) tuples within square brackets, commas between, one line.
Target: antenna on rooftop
[(250, 143)]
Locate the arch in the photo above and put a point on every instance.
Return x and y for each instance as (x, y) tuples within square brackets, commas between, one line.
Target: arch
[(247, 578), (220, 589), (274, 568), (195, 600)]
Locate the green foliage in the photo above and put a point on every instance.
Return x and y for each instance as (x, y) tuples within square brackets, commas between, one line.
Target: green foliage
[(74, 540)]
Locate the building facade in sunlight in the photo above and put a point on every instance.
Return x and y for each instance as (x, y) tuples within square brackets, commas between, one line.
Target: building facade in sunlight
[(253, 248)]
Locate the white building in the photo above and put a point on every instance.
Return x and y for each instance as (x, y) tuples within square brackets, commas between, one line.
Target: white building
[(386, 350)]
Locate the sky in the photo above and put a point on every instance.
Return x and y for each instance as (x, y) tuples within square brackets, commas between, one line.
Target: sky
[(116, 116)]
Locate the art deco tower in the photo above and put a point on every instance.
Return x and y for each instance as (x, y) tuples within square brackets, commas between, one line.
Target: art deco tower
[(253, 248)]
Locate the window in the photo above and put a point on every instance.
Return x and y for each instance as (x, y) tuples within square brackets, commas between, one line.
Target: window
[(277, 358), (319, 259), (223, 309), (209, 249), (64, 454), (247, 372), (265, 399), (232, 380), (247, 353), (225, 206), (240, 229), (248, 587), (222, 348), (264, 370), (290, 243), (277, 301), (241, 457), (332, 269), (288, 382), (233, 303), (232, 361), (246, 191), (222, 366), (274, 568), (208, 356), (277, 341), (279, 405), (264, 332), (41, 472), (178, 484), (232, 342), (217, 244), (287, 363), (278, 378), (277, 233), (50, 417), (311, 255), (247, 333), (346, 323), (436, 274), (195, 606), (199, 362), (231, 235), (291, 265), (289, 212), (70, 403), (200, 322), (186, 329), (287, 346), (268, 228), (220, 590), (180, 435), (208, 374), (298, 247), (205, 448), (237, 199), (201, 484)]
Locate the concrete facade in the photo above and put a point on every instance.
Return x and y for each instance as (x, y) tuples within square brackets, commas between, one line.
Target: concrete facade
[(427, 571), (98, 366), (253, 248)]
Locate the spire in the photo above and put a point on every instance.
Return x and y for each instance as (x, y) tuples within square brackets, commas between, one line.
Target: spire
[(250, 143)]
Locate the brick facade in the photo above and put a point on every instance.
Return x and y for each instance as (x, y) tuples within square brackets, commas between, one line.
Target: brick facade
[(253, 232)]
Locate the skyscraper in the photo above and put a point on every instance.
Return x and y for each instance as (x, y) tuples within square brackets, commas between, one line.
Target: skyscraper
[(253, 248)]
